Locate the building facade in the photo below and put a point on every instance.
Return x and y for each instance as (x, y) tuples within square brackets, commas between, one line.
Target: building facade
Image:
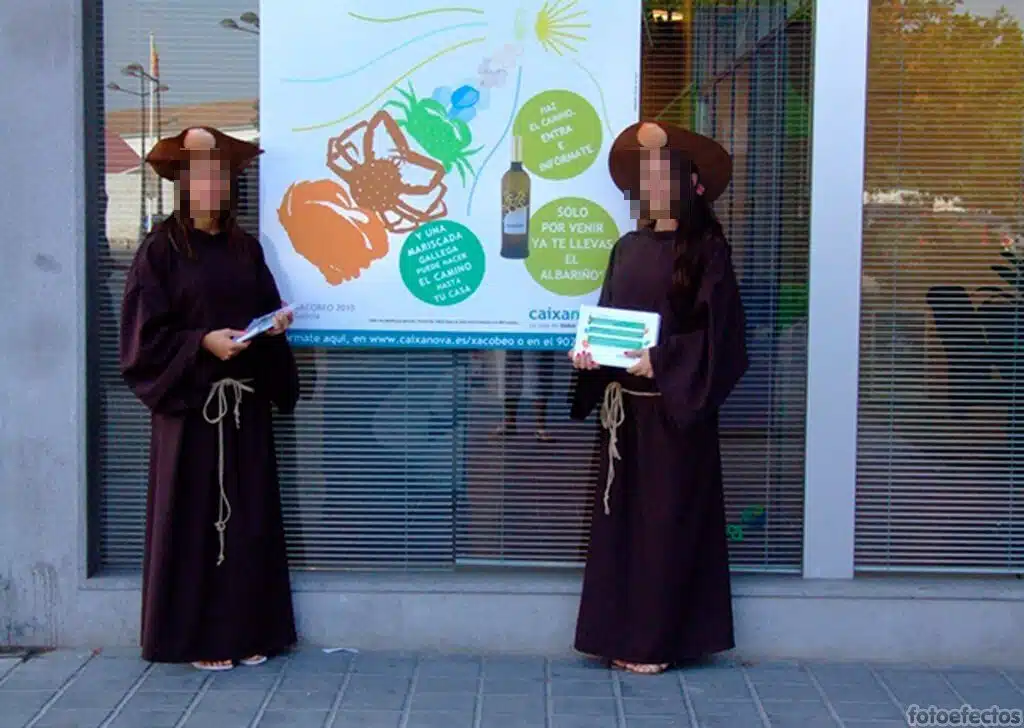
[(870, 453)]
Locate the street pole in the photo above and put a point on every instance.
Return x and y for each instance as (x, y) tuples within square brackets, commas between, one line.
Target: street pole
[(159, 133), (143, 221)]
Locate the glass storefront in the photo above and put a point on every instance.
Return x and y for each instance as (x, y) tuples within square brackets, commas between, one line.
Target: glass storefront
[(432, 459), (941, 428)]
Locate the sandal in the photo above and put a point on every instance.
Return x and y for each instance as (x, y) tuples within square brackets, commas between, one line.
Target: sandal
[(254, 660), (213, 665), (639, 668)]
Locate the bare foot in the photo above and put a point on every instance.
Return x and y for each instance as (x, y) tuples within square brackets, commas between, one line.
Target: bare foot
[(213, 665), (639, 668)]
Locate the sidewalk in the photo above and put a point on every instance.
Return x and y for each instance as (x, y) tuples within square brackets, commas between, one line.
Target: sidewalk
[(373, 690)]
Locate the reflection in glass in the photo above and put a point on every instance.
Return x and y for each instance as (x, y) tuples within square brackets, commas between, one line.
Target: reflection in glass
[(941, 425), (392, 459)]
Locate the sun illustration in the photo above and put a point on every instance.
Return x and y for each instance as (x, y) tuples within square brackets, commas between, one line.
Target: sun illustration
[(555, 20)]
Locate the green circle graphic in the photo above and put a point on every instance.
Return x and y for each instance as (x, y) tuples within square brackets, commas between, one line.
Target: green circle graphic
[(561, 134), (442, 263), (570, 241)]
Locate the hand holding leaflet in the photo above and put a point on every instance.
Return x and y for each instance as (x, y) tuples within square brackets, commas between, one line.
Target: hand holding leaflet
[(263, 324), (607, 334)]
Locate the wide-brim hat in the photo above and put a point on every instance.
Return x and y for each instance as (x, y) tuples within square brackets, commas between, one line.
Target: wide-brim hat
[(167, 155), (714, 163)]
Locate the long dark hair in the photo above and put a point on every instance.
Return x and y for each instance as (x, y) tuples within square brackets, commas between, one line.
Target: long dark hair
[(697, 222), (179, 224)]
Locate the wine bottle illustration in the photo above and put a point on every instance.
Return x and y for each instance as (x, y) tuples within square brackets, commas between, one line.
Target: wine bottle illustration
[(515, 206)]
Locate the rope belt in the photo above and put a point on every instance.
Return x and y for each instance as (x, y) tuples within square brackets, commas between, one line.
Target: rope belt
[(613, 414), (219, 394)]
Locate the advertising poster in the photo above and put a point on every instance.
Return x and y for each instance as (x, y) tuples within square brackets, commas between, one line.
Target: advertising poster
[(437, 176)]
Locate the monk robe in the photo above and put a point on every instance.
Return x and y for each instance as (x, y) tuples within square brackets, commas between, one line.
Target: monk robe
[(656, 587), (215, 573)]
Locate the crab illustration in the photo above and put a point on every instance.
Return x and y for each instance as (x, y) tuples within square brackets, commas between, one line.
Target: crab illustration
[(444, 138), (385, 177)]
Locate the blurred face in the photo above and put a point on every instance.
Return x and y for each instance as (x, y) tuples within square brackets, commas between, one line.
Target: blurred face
[(207, 181), (660, 184)]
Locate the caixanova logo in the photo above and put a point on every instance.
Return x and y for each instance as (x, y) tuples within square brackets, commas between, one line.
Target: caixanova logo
[(966, 715)]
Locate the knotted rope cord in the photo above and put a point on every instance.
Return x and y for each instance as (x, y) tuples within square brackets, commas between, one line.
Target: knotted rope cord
[(219, 393), (613, 414)]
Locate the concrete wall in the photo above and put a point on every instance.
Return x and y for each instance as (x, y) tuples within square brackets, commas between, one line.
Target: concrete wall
[(46, 599), (42, 389)]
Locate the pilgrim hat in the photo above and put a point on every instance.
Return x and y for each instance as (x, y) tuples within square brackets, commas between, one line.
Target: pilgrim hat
[(167, 155), (714, 163)]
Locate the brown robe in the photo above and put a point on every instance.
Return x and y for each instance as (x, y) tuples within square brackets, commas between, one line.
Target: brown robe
[(656, 587), (193, 608)]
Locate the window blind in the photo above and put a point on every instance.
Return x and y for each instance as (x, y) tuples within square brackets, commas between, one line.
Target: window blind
[(940, 416), (432, 459)]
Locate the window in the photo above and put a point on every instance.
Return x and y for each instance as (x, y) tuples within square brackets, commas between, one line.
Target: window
[(398, 460), (940, 423)]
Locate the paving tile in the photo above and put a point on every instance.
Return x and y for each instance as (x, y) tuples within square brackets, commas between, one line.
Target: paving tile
[(777, 674), (370, 664), (512, 721), (22, 700), (163, 683), (654, 706), (18, 716), (787, 691), (36, 679), (867, 711), (7, 664), (452, 667), (513, 686), (583, 706), (737, 710), (447, 702), (299, 700), (76, 718), (654, 721), (856, 692), (651, 689), (293, 719), (514, 704), (317, 661), (217, 719), (425, 719), (583, 688), (306, 681), (515, 668), (733, 688), (380, 683), (241, 680), (241, 702), (112, 667), (744, 720), (796, 709), (816, 721), (79, 697), (427, 684), (147, 719), (719, 707), (362, 699), (159, 701), (579, 670), (583, 721), (367, 719)]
